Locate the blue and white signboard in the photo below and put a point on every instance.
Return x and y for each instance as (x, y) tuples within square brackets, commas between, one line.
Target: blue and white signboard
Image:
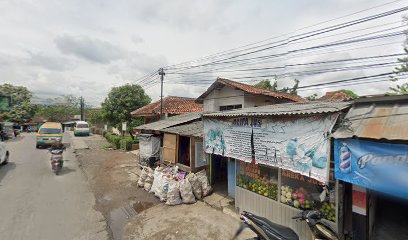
[(379, 166)]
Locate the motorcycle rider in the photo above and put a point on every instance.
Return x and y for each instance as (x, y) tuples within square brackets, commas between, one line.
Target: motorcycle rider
[(57, 145)]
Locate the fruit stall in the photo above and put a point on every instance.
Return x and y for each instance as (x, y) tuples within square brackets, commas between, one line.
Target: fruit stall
[(280, 194)]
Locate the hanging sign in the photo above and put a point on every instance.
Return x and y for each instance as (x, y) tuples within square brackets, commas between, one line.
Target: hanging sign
[(300, 144), (230, 138), (379, 166)]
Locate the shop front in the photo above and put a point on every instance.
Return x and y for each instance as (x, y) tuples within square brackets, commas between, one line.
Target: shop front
[(378, 173), (371, 161), (282, 161)]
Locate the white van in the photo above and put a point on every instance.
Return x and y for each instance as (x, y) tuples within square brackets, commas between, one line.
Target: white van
[(81, 129)]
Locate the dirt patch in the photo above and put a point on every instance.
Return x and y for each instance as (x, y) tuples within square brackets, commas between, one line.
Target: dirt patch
[(113, 179), (195, 221), (132, 213)]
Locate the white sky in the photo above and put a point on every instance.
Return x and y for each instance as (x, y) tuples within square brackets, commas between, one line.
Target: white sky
[(87, 47)]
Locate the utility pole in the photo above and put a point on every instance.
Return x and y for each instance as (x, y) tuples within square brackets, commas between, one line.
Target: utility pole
[(161, 73), (82, 108)]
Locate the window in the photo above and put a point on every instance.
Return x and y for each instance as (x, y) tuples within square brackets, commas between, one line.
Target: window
[(82, 125), (230, 107), (257, 178), (50, 131)]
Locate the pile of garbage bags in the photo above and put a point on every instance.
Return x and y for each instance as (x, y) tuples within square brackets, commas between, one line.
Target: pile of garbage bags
[(173, 186)]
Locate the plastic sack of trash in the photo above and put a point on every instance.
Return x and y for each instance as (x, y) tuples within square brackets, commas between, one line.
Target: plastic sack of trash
[(149, 181), (164, 188), (143, 176), (157, 175), (186, 191), (205, 186), (173, 195), (196, 185)]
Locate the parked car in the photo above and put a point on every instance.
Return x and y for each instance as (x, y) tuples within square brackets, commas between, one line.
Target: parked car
[(81, 129), (48, 134)]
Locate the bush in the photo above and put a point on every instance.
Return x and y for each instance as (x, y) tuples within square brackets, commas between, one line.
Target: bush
[(113, 139), (119, 142)]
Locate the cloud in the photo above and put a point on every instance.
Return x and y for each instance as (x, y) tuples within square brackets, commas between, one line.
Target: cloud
[(50, 62), (137, 39), (93, 50)]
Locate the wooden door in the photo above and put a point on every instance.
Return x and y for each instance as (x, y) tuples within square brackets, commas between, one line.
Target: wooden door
[(170, 148)]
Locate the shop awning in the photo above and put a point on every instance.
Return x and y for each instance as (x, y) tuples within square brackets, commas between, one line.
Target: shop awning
[(194, 129), (384, 118)]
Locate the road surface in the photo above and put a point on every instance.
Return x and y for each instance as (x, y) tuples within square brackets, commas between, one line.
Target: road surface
[(36, 204)]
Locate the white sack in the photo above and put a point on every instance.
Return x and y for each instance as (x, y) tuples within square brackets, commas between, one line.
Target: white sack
[(173, 195), (186, 192), (196, 185)]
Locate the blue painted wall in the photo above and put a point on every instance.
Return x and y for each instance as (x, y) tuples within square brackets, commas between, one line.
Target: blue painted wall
[(231, 177)]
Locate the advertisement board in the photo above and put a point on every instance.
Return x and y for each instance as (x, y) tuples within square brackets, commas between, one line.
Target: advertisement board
[(300, 145), (297, 143), (229, 138), (379, 166)]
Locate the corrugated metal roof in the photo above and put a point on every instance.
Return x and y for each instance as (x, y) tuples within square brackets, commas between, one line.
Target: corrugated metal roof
[(284, 109), (170, 122), (376, 120), (192, 129)]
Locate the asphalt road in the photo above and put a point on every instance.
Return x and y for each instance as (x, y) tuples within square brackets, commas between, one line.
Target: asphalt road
[(36, 204)]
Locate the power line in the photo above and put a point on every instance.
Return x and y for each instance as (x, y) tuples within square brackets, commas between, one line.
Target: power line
[(233, 50), (299, 64), (301, 73), (306, 35)]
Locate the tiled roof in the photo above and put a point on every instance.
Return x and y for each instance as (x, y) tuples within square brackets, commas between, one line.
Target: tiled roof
[(249, 89), (171, 105), (336, 96)]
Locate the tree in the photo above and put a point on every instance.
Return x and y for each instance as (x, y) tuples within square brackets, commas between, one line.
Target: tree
[(400, 89), (94, 116), (21, 107), (312, 97), (266, 84), (57, 113), (121, 101), (61, 109)]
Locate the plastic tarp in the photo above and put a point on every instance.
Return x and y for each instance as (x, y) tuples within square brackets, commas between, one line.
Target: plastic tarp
[(149, 146)]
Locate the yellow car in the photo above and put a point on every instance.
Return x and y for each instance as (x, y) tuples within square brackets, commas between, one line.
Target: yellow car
[(49, 133)]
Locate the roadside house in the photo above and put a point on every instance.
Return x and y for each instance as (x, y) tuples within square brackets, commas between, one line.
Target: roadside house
[(226, 94), (172, 106), (336, 96)]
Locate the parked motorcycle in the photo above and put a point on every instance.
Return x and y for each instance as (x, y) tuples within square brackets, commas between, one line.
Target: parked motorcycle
[(267, 230), (56, 160)]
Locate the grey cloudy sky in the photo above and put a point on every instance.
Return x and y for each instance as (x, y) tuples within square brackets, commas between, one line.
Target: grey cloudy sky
[(87, 47)]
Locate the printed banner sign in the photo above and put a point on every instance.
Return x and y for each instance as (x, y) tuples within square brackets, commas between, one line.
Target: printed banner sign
[(229, 138), (379, 166), (300, 145)]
